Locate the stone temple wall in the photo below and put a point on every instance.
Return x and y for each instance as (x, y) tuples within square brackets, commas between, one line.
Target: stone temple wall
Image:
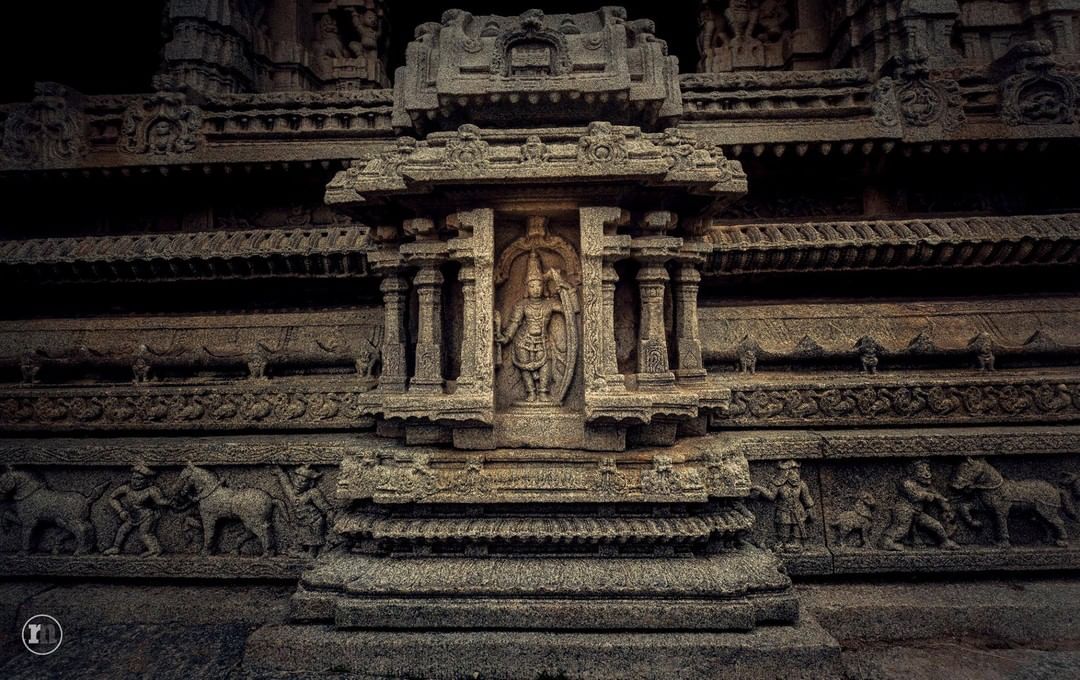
[(528, 297)]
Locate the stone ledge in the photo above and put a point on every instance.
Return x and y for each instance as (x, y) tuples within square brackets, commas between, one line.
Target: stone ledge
[(1014, 611), (803, 651)]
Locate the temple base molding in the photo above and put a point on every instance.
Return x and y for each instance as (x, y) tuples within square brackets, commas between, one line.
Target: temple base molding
[(804, 650)]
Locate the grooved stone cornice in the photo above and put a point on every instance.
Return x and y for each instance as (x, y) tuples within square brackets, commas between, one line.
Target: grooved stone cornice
[(301, 252), (886, 244)]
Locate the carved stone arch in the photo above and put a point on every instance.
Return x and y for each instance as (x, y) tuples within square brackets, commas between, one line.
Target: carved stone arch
[(555, 244), (531, 33)]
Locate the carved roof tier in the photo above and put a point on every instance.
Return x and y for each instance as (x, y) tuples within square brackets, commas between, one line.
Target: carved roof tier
[(302, 252), (852, 109), (944, 242), (603, 159), (536, 69)]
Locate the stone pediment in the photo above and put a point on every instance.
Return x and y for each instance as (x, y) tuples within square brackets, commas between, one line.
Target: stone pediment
[(601, 154), (536, 68)]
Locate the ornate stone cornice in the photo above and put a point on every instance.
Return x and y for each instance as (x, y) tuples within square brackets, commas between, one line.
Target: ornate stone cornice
[(301, 252), (601, 154), (946, 242)]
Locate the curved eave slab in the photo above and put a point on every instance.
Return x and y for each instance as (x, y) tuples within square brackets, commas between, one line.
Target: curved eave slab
[(895, 244), (255, 253)]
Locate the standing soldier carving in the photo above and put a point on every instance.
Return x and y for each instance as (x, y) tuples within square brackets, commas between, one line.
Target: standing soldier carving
[(309, 507), (137, 503), (527, 329), (792, 505)]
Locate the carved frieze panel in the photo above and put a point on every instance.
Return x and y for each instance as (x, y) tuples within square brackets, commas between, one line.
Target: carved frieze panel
[(287, 404), (954, 334), (168, 520), (296, 252), (156, 350), (939, 513), (903, 401)]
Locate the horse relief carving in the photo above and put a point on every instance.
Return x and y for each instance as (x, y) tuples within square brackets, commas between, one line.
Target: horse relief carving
[(36, 505), (1001, 498)]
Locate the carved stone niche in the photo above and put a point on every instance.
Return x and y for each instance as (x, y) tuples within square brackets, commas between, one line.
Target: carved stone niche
[(349, 44), (536, 69), (735, 35)]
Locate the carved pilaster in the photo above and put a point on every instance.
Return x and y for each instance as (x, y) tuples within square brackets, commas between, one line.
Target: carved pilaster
[(688, 349), (609, 277), (600, 247), (427, 253), (474, 248), (428, 376), (394, 374)]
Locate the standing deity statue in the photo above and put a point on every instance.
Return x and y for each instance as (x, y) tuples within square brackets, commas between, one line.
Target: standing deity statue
[(527, 328)]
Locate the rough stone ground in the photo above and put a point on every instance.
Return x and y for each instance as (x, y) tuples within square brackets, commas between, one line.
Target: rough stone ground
[(1015, 629)]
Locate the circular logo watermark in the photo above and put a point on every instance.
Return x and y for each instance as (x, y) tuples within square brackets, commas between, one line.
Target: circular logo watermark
[(42, 634)]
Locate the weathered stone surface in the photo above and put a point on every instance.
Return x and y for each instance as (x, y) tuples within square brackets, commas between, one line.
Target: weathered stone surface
[(797, 651), (542, 337)]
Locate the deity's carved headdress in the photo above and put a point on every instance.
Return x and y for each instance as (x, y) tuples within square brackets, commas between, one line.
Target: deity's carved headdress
[(534, 272)]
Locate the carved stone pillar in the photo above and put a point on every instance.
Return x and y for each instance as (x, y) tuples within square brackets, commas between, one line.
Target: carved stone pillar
[(652, 250), (653, 368), (395, 372), (428, 376), (688, 349)]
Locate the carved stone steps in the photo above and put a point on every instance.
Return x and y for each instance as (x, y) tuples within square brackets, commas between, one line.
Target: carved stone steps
[(733, 573), (476, 613)]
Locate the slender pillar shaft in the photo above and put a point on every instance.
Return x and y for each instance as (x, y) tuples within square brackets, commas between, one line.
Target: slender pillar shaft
[(395, 373), (428, 376), (688, 350), (653, 367), (609, 361)]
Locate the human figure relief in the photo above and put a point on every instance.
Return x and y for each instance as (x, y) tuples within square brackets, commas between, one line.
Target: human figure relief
[(310, 507), (138, 504), (792, 505), (916, 499), (528, 330)]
